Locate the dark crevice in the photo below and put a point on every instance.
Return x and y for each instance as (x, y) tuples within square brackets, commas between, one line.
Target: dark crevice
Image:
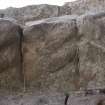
[(77, 62), (58, 10), (2, 15), (66, 98), (22, 73), (99, 15), (22, 60), (77, 55), (77, 59)]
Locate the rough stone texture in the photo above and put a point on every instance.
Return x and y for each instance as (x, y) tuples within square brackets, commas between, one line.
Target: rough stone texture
[(85, 6), (34, 12), (56, 54), (49, 48), (37, 12), (32, 99), (50, 99), (10, 57), (31, 12), (50, 45), (92, 51), (87, 100)]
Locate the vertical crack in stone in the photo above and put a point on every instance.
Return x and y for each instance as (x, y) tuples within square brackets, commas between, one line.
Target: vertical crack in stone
[(77, 61), (21, 59), (77, 58), (66, 98), (58, 10)]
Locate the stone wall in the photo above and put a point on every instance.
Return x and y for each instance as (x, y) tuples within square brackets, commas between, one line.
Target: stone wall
[(58, 53)]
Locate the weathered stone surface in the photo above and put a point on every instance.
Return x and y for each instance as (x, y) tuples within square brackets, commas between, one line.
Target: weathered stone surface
[(37, 12), (85, 6), (92, 50), (34, 12), (10, 56), (51, 45), (49, 48), (32, 99), (51, 98), (87, 100)]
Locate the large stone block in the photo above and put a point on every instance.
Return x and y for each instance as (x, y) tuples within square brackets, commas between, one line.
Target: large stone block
[(10, 55), (49, 48), (92, 50)]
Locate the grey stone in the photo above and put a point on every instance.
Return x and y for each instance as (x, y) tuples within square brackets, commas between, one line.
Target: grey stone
[(53, 42), (85, 6), (49, 48), (35, 12), (10, 57)]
